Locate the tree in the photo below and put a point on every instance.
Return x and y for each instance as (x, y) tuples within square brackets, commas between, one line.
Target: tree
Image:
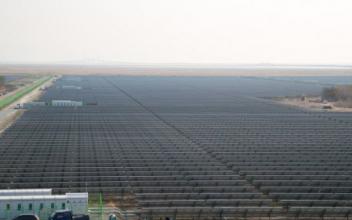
[(329, 94), (2, 80)]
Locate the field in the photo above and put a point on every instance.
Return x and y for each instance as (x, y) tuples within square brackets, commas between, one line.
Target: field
[(185, 147), (22, 92)]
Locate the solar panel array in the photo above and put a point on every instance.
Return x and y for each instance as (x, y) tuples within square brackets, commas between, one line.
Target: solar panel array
[(185, 147)]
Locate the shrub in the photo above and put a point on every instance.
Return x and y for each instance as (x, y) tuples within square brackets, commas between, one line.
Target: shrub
[(329, 94), (338, 93)]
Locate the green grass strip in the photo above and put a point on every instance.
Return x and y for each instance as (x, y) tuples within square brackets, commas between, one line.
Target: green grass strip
[(19, 94)]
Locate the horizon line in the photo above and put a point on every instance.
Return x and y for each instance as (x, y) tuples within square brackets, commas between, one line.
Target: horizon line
[(176, 65)]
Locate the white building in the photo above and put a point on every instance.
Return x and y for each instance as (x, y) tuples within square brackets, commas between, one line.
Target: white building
[(40, 202), (71, 87), (66, 103)]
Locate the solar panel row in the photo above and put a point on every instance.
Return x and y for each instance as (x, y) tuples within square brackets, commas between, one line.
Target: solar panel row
[(191, 147)]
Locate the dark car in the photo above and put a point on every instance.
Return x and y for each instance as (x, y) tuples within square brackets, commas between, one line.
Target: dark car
[(26, 217), (61, 215), (67, 215)]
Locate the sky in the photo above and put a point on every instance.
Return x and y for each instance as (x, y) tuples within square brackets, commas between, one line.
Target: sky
[(176, 31)]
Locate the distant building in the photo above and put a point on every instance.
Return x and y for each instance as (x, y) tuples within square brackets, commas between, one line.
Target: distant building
[(40, 202), (66, 103), (71, 87), (29, 105)]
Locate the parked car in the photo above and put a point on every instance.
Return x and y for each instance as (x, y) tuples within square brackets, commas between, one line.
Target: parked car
[(26, 217), (67, 215)]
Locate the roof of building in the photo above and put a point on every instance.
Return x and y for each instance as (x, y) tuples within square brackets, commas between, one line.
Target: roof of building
[(37, 194)]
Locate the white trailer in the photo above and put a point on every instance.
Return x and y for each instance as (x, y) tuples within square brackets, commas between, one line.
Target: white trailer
[(71, 87), (29, 105), (40, 203), (66, 103)]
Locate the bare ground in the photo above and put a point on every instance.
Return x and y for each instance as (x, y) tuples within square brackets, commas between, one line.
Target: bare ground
[(311, 104), (173, 70)]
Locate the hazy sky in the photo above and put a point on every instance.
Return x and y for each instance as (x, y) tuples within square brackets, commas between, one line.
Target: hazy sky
[(177, 31)]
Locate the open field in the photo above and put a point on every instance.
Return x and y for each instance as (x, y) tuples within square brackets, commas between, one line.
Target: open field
[(176, 70), (10, 98), (336, 96), (31, 92), (191, 147), (312, 104)]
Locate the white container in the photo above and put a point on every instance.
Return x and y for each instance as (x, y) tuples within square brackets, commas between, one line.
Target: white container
[(42, 204)]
